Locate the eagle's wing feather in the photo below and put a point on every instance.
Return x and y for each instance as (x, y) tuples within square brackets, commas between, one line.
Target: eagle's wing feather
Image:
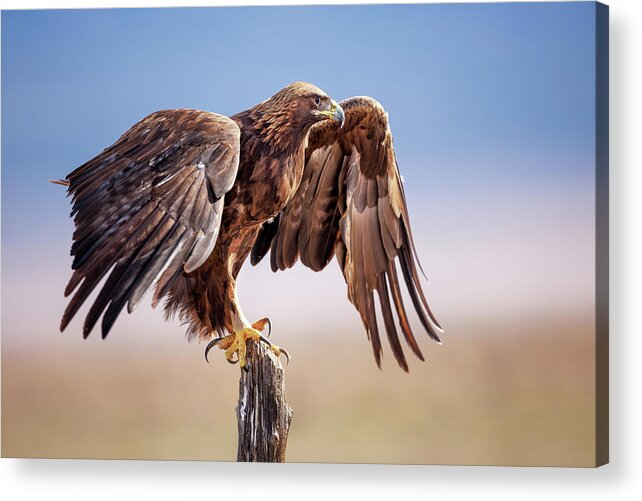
[(351, 203), (149, 208)]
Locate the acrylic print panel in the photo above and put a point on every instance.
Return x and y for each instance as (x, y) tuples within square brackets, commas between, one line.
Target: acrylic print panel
[(498, 114)]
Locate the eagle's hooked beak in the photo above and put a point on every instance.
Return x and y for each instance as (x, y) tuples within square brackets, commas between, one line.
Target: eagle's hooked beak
[(335, 113)]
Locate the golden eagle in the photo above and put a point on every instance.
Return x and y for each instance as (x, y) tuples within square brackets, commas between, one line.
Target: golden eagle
[(182, 199)]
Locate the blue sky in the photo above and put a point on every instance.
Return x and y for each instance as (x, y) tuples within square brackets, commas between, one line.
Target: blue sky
[(460, 82), (491, 106)]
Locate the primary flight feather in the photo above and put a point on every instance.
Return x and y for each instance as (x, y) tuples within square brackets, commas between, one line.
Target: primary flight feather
[(180, 201)]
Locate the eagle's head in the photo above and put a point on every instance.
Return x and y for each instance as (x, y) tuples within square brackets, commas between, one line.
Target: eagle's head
[(291, 112), (306, 104)]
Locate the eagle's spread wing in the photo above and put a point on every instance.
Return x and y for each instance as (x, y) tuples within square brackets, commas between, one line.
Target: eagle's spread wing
[(149, 207), (351, 202)]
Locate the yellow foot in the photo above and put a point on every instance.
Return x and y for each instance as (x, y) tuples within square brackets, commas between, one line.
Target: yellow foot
[(235, 344)]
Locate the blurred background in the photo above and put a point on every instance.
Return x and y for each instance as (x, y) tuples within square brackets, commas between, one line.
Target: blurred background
[(492, 111)]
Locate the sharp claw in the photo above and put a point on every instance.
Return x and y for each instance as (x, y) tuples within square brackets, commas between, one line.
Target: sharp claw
[(259, 325), (211, 345), (283, 351), (263, 339)]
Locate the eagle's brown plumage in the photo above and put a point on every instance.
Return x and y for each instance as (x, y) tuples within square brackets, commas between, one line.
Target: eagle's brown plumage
[(180, 201)]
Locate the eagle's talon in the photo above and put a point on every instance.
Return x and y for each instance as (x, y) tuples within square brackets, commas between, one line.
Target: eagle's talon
[(259, 325), (211, 345), (235, 344), (277, 350), (287, 355)]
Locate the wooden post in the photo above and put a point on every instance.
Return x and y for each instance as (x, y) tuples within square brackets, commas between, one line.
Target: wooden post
[(262, 412)]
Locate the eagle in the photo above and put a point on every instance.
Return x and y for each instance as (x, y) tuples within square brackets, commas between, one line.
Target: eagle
[(183, 198)]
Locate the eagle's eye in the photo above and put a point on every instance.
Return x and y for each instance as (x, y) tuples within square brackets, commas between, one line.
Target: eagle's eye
[(317, 100)]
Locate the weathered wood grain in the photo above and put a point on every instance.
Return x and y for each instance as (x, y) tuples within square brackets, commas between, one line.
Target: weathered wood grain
[(263, 413)]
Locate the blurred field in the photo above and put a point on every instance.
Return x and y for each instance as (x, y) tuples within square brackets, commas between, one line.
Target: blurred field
[(483, 397)]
